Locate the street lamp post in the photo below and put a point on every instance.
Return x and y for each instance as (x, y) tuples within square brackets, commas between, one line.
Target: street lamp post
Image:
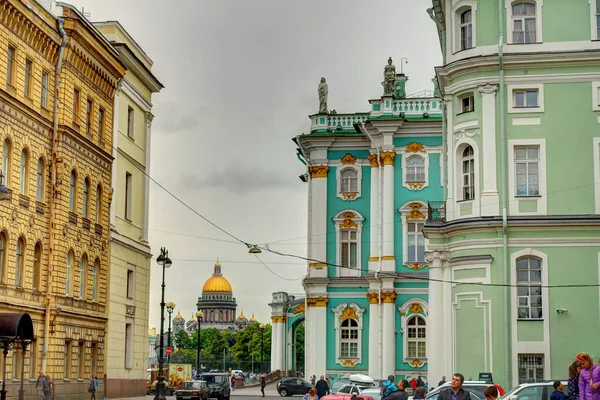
[(262, 344), (165, 262), (170, 307), (199, 316)]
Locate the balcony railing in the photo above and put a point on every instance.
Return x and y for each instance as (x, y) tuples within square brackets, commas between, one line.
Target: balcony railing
[(436, 211)]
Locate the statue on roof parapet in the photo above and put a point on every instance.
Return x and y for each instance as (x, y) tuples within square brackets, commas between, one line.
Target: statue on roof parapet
[(323, 91), (389, 78)]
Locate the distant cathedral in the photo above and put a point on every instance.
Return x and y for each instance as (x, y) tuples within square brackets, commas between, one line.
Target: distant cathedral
[(218, 305)]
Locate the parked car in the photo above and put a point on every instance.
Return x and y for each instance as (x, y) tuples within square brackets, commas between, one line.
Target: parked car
[(534, 391), (193, 390), (337, 385), (477, 387), (375, 392), (218, 384), (292, 386)]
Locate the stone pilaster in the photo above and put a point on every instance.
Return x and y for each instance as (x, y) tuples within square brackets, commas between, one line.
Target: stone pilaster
[(489, 196), (317, 249), (387, 159), (374, 212)]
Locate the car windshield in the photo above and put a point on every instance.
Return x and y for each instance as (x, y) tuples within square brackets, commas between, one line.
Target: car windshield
[(192, 385), (213, 378), (338, 384)]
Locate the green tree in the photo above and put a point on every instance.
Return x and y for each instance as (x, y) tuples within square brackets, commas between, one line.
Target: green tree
[(247, 347), (183, 341)]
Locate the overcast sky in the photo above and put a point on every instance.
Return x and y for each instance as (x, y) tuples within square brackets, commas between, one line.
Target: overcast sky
[(240, 78)]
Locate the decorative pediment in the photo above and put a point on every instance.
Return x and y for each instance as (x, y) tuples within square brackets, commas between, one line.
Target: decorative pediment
[(415, 147), (348, 159), (348, 313)]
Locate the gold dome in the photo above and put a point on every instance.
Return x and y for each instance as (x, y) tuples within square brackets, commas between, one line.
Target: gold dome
[(242, 316), (252, 319), (217, 282), (192, 319)]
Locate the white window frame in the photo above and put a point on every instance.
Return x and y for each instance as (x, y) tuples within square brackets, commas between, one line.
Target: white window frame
[(407, 167), (596, 152), (459, 105), (459, 8), (542, 199), (466, 26), (343, 223), (528, 163), (538, 21), (405, 155), (528, 284), (338, 311), (596, 95), (410, 213), (593, 20), (349, 195), (459, 148), (407, 311), (471, 173), (518, 110)]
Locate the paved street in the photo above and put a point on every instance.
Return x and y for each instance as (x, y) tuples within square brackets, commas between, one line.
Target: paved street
[(238, 394)]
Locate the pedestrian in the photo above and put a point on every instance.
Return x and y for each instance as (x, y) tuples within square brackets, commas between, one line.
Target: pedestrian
[(233, 382), (400, 394), (313, 380), (491, 393), (573, 384), (48, 388), (420, 382), (558, 391), (93, 387), (442, 381), (263, 383), (389, 386), (39, 385), (419, 393), (455, 391), (322, 387), (413, 384), (311, 395), (589, 378)]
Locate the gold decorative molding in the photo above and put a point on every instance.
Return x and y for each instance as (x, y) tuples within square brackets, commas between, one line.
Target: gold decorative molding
[(300, 309), (317, 265), (348, 196), (278, 319), (388, 157), (317, 301), (348, 363), (415, 266), (416, 185), (416, 363), (415, 308), (373, 298), (415, 212), (348, 159), (318, 171), (388, 258), (348, 313), (402, 313), (415, 147), (373, 160), (374, 258), (388, 297), (348, 222)]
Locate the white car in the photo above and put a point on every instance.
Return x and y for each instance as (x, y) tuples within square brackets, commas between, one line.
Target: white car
[(534, 391)]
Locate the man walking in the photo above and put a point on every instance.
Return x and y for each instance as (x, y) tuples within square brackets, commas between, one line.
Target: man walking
[(455, 391), (322, 387), (39, 385)]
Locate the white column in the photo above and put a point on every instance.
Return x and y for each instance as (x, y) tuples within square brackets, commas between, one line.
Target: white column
[(447, 301), (389, 333), (309, 342), (275, 343), (318, 223), (373, 334), (149, 118), (451, 189), (282, 341), (436, 359), (320, 345), (115, 145), (374, 211), (489, 196), (387, 159)]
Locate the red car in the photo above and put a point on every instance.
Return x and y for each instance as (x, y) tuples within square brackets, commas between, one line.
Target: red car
[(344, 397)]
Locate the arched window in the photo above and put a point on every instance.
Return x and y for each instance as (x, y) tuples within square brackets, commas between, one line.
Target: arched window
[(72, 191), (468, 173), (349, 339), (39, 187), (349, 177), (415, 169), (86, 196), (20, 262), (524, 22), (98, 203), (466, 29), (37, 265), (82, 276), (529, 287), (416, 337), (69, 274), (3, 243), (95, 271), (24, 173), (6, 148)]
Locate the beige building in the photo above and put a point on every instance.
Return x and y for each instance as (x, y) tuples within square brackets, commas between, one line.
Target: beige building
[(129, 276)]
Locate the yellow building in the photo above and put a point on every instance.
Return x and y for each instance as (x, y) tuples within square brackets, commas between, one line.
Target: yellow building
[(129, 279), (56, 155)]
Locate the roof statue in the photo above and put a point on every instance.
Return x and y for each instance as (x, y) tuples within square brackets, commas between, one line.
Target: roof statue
[(323, 91), (389, 78)]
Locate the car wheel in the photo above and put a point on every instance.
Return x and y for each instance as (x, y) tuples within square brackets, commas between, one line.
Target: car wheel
[(283, 392)]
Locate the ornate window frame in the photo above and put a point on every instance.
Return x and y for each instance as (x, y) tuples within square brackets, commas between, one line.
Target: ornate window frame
[(459, 147), (414, 210), (514, 200), (512, 109), (348, 162), (538, 21), (457, 10), (340, 313), (412, 149), (348, 220), (412, 307)]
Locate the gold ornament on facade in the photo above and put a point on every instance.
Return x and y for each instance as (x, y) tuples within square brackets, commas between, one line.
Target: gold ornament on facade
[(317, 265), (348, 363), (415, 308), (415, 266), (278, 319), (388, 157), (416, 185), (388, 297), (415, 212), (415, 147), (348, 196), (318, 171), (348, 220), (373, 160), (316, 301), (388, 258), (348, 313), (348, 159), (300, 309), (373, 298), (416, 363)]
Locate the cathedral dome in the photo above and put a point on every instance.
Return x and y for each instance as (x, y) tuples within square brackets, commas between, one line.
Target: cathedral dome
[(217, 282)]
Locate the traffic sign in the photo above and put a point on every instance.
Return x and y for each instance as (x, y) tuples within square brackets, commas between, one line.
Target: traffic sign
[(169, 351)]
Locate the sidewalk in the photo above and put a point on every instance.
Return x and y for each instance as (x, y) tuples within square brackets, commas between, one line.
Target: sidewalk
[(270, 390)]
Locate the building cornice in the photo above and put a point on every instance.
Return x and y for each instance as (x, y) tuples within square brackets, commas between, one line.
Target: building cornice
[(141, 248), (131, 91)]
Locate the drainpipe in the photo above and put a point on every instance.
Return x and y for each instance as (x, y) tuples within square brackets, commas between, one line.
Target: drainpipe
[(380, 250), (54, 192), (503, 165)]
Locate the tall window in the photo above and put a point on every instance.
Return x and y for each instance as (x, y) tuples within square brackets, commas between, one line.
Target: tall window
[(68, 359), (76, 100), (466, 30), (95, 272), (468, 173), (349, 183), (88, 116), (10, 65), (39, 184), (529, 287), (3, 248), (93, 359), (98, 203), (417, 337), (531, 369), (130, 120), (23, 178), (128, 194), (523, 18), (130, 283), (416, 242), (82, 276), (28, 76), (81, 360), (527, 161), (86, 197), (37, 266), (69, 274), (349, 338), (44, 99), (128, 346), (6, 148), (72, 191), (20, 262), (100, 123), (349, 246), (415, 172), (597, 19)]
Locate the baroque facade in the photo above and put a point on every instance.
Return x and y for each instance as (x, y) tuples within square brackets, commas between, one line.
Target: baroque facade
[(56, 158), (370, 177), (130, 255)]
